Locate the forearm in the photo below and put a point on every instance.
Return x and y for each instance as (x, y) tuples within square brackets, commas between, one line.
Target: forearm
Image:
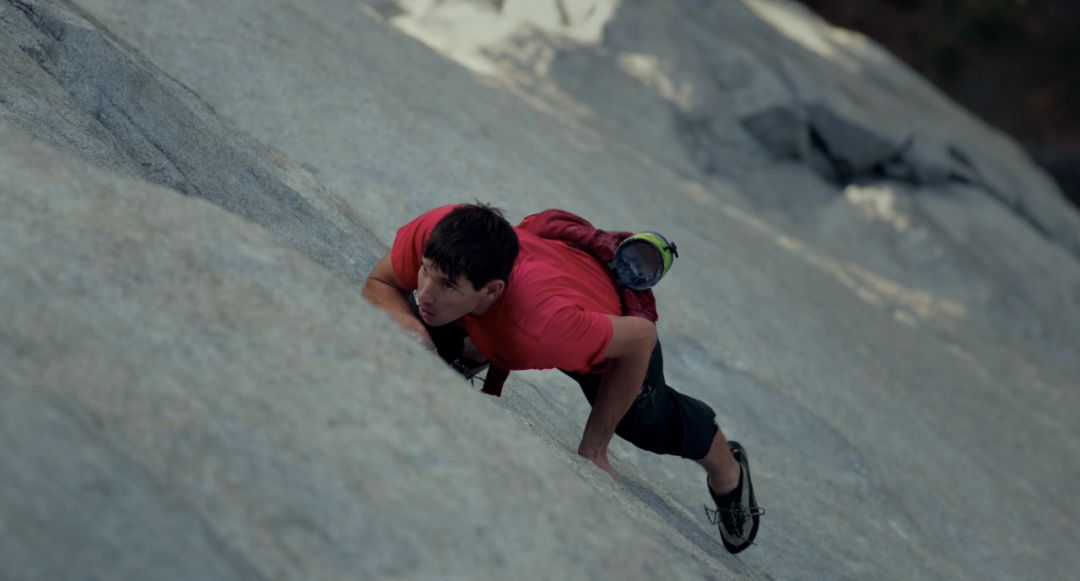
[(391, 301), (622, 381)]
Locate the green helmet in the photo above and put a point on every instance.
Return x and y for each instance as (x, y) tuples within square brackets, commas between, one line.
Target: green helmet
[(642, 260)]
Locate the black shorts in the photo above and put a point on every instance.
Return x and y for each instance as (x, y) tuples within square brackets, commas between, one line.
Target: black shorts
[(661, 420)]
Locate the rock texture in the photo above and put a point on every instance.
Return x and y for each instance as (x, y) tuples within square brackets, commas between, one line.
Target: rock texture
[(184, 397), (879, 295), (1012, 63), (80, 88)]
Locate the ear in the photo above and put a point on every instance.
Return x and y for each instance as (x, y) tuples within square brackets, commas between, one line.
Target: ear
[(494, 289)]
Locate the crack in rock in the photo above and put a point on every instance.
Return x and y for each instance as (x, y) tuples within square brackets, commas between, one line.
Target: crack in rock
[(844, 151), (176, 140)]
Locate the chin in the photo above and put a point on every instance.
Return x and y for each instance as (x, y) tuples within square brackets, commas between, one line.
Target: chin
[(442, 320), (435, 321)]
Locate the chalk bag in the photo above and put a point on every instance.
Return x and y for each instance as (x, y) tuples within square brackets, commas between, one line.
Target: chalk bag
[(642, 260)]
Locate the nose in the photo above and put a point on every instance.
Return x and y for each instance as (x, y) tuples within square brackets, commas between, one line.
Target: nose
[(425, 296)]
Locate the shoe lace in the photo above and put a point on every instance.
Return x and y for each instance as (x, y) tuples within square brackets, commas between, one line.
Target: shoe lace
[(734, 516)]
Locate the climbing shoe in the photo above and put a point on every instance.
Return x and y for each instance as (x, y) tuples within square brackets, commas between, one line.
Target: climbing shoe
[(737, 513)]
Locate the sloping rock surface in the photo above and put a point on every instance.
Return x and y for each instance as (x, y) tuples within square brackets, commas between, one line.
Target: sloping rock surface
[(879, 295), (80, 88), (184, 397)]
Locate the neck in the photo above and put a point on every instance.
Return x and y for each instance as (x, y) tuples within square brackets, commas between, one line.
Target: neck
[(484, 306)]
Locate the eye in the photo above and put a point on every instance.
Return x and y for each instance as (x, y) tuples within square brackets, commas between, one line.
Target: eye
[(448, 285)]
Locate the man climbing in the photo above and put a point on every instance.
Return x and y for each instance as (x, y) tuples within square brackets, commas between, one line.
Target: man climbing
[(470, 287)]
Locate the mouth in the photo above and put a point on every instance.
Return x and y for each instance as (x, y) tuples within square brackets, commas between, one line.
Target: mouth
[(426, 313)]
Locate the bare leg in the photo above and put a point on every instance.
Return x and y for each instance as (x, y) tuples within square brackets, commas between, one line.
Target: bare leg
[(721, 466)]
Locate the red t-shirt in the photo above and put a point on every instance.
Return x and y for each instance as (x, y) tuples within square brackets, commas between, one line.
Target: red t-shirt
[(553, 313)]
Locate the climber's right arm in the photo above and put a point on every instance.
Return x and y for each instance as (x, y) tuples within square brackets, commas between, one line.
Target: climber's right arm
[(385, 291)]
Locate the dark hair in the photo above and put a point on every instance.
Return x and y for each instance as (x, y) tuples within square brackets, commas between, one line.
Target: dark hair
[(474, 240)]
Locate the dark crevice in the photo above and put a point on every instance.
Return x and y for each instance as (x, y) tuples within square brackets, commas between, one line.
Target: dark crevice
[(177, 141), (831, 139), (40, 24), (838, 170), (187, 186)]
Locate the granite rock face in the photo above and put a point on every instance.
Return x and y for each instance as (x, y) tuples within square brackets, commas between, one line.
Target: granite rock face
[(80, 88), (879, 295), (186, 397)]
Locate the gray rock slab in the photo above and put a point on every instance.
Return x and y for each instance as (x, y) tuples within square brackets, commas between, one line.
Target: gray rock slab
[(185, 397), (772, 73), (770, 67), (75, 85), (899, 395)]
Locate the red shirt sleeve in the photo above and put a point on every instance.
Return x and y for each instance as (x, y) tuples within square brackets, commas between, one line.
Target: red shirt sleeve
[(407, 252), (574, 340)]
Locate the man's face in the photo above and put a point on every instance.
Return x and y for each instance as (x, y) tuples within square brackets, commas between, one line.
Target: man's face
[(442, 300)]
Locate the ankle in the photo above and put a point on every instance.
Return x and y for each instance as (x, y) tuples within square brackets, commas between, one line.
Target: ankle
[(723, 484)]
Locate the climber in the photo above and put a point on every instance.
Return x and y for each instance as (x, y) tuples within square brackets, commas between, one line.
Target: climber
[(545, 295)]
